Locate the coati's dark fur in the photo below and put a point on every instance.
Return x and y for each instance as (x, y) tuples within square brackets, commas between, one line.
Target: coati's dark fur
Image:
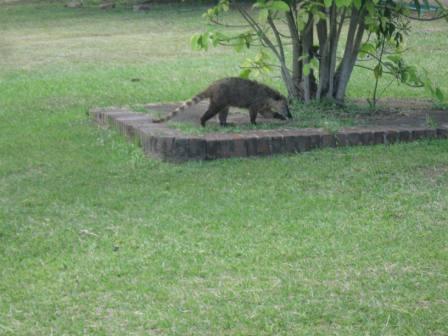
[(237, 92)]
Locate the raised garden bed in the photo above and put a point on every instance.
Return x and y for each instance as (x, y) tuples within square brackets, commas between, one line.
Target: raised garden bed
[(171, 144)]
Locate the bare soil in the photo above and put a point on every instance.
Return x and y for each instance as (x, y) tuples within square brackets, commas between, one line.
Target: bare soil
[(406, 113)]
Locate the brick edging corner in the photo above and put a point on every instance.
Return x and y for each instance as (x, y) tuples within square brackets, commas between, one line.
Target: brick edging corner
[(171, 145)]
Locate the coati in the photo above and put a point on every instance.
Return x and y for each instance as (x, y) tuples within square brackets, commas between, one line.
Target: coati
[(237, 92)]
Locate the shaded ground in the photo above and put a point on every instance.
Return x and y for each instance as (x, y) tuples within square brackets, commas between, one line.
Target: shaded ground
[(391, 112), (406, 113)]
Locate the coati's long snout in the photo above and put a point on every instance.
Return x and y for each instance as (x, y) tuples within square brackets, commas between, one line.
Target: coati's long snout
[(238, 92), (281, 110)]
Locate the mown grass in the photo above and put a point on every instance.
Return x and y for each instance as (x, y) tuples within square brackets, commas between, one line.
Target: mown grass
[(96, 239)]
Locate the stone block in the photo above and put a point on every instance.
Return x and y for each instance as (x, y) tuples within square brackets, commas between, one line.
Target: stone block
[(296, 142), (163, 146), (263, 146), (379, 136), (128, 124), (151, 138), (186, 148), (111, 117), (442, 132), (431, 133), (256, 145), (366, 137), (290, 144), (418, 133), (391, 137), (314, 141), (147, 143), (404, 135), (277, 142), (220, 146), (353, 138), (97, 115), (327, 140), (341, 138)]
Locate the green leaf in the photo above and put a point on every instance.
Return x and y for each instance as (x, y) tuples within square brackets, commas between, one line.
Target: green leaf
[(225, 5), (279, 6), (266, 68), (389, 65), (195, 42), (378, 71), (306, 69), (368, 48), (328, 3), (263, 15), (357, 3), (203, 41), (439, 95), (343, 3), (245, 73), (302, 19), (314, 64), (261, 57), (395, 58), (239, 45), (258, 5)]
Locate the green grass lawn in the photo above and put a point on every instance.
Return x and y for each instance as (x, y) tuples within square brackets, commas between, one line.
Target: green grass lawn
[(96, 239)]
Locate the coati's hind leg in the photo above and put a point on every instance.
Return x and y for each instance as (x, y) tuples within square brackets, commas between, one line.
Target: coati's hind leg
[(223, 116), (213, 110)]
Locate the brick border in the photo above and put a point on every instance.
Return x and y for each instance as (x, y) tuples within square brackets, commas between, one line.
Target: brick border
[(173, 146)]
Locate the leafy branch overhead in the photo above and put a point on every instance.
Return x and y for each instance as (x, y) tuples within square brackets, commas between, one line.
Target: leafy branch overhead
[(303, 39)]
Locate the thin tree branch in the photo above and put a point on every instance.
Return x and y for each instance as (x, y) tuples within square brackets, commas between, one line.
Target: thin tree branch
[(256, 27), (341, 22), (278, 38), (425, 19), (296, 47), (439, 17), (371, 69), (227, 25)]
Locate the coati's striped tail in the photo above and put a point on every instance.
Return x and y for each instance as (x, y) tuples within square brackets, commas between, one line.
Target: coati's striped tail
[(193, 101)]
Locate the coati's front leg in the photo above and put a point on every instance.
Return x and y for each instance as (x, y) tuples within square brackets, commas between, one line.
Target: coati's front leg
[(253, 114), (223, 117)]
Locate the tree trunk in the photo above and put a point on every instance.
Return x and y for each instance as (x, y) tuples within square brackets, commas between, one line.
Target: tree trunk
[(324, 64), (296, 53), (354, 39)]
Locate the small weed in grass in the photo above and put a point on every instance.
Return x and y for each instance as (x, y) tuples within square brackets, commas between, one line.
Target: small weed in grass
[(324, 115)]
